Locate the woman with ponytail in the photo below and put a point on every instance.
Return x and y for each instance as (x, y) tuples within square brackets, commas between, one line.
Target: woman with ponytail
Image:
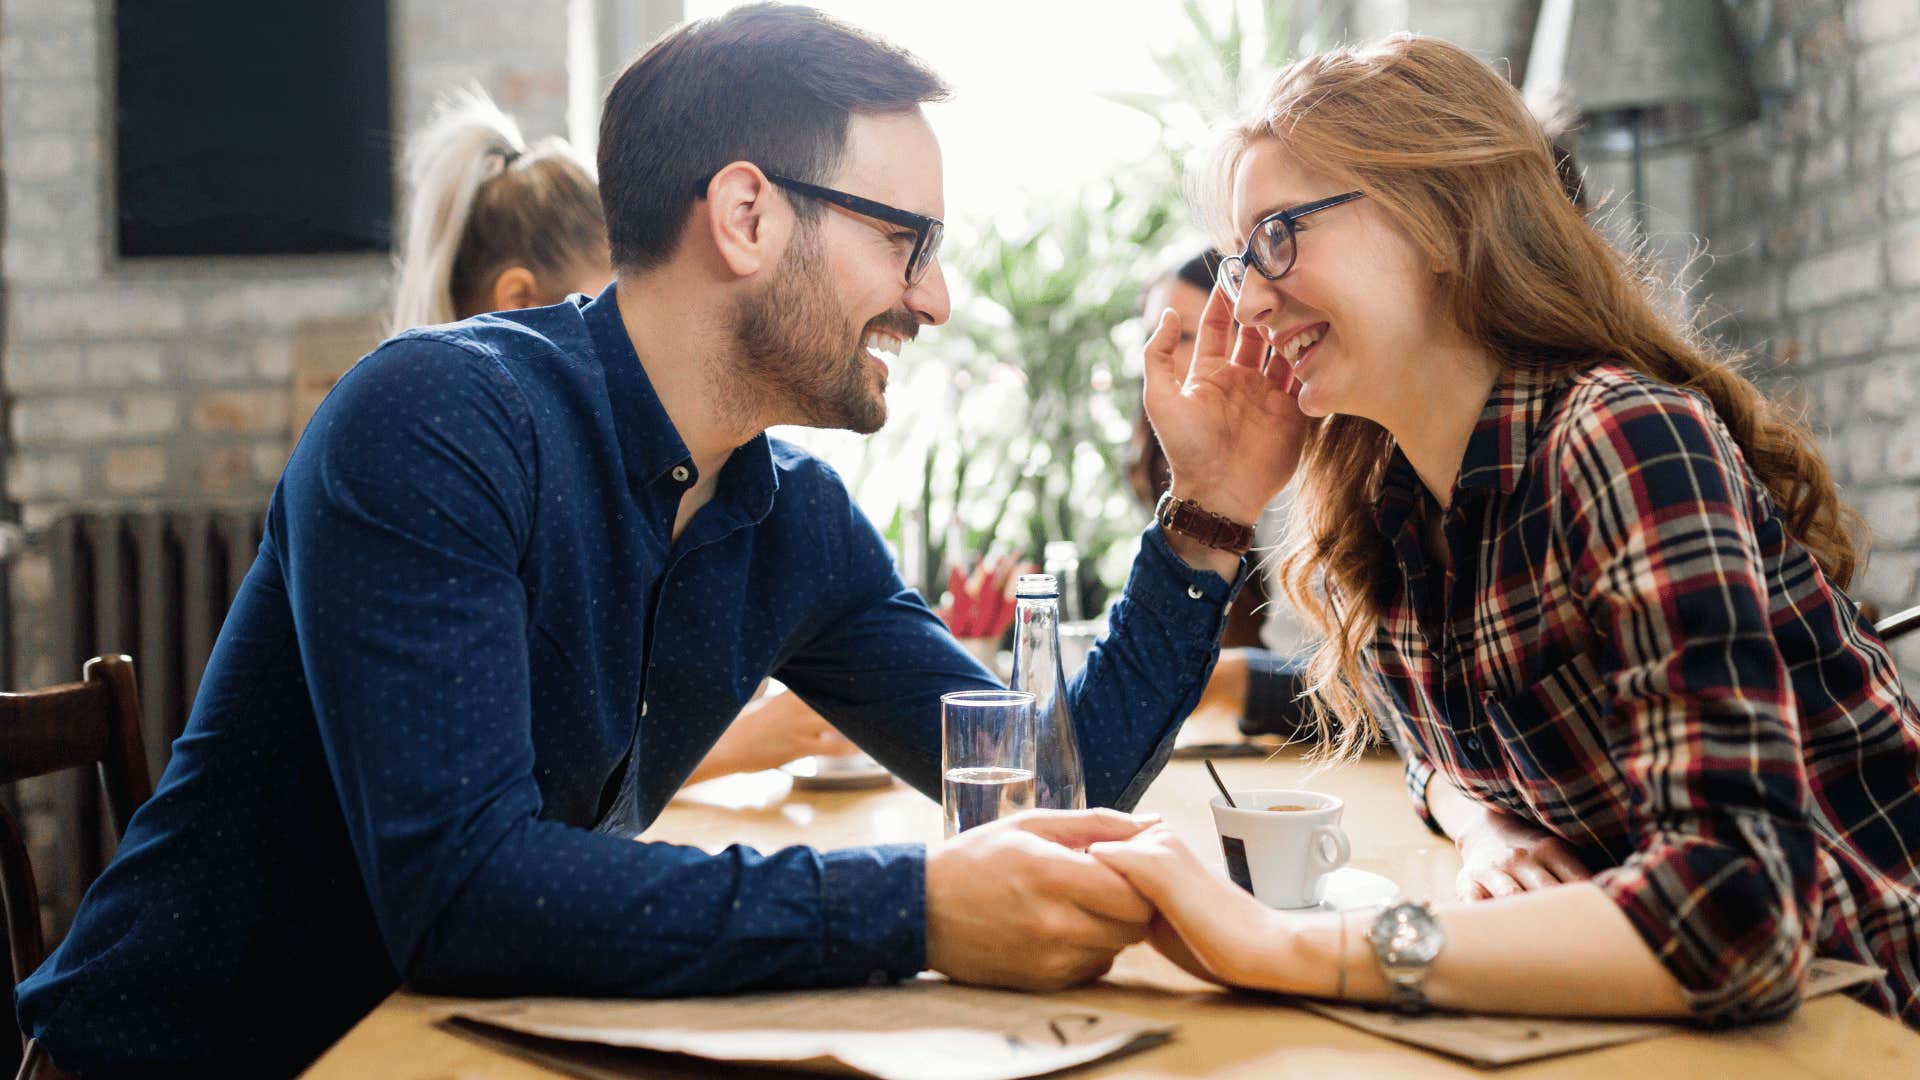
[(491, 224), (494, 225), (1580, 571)]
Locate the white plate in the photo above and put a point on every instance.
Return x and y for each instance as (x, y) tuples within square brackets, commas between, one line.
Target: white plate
[(1350, 889)]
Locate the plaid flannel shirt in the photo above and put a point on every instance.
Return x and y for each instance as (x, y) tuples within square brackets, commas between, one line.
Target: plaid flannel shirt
[(1636, 656)]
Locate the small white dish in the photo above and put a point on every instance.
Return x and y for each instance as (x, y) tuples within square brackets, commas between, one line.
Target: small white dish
[(1352, 889), (837, 773)]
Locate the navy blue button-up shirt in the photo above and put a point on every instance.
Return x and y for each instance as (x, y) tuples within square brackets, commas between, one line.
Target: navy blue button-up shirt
[(471, 660)]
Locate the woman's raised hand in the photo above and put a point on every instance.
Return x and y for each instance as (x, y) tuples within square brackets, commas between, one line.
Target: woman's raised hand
[(1229, 423)]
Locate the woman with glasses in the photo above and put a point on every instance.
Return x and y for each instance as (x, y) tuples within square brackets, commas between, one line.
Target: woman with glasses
[(493, 225), (1567, 559)]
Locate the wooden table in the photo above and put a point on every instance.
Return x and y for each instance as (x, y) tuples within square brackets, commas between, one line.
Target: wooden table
[(1221, 1034)]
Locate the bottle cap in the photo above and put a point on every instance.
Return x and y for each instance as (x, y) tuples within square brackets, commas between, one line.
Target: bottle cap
[(1036, 587)]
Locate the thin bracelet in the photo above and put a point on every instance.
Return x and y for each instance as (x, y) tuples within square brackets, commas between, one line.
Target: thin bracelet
[(1340, 990)]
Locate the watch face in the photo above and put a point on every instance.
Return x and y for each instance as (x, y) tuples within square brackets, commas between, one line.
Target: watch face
[(1407, 933)]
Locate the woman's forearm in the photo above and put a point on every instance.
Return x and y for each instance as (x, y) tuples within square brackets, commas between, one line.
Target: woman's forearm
[(1565, 951), (1454, 811)]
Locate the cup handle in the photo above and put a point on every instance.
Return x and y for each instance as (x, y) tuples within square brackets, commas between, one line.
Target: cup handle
[(1322, 835)]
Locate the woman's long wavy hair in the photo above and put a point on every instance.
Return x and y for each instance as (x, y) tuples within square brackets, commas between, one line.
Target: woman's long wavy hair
[(1447, 149)]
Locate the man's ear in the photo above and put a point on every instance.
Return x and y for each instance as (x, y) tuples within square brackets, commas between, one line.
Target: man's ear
[(746, 219)]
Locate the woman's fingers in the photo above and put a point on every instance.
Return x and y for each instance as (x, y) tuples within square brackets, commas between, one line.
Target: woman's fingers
[(1250, 351), (1168, 943), (1163, 371), (1529, 874), (1560, 859)]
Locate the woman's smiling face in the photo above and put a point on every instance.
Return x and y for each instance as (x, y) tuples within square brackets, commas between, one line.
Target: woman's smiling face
[(1357, 311)]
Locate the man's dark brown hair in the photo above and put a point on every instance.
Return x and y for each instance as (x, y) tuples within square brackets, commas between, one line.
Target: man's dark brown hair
[(774, 84)]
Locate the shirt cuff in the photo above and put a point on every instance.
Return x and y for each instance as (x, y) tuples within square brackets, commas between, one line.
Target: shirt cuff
[(875, 904), (1188, 599), (1419, 775)]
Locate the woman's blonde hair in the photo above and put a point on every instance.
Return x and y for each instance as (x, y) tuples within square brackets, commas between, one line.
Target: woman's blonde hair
[(1447, 149), (481, 201)]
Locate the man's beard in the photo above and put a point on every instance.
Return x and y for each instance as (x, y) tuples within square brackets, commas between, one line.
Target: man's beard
[(801, 362)]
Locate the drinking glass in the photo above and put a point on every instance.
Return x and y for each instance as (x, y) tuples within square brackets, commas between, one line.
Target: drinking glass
[(986, 756)]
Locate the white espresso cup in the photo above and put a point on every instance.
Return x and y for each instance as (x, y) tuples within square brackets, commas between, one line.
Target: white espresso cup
[(1282, 857)]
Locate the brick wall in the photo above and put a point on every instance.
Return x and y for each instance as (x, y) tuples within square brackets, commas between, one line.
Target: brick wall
[(179, 379), (1814, 218)]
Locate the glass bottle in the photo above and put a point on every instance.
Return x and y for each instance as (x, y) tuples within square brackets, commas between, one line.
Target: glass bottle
[(1062, 559), (1061, 783)]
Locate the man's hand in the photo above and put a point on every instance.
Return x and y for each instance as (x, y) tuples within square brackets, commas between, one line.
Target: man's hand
[(1019, 903), (1230, 426), (1502, 855)]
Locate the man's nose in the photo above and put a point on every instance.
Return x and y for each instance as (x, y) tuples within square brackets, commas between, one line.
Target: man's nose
[(928, 299)]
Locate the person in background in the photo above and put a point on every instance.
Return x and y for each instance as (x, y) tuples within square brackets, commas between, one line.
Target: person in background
[(493, 224), (1257, 677), (1561, 552)]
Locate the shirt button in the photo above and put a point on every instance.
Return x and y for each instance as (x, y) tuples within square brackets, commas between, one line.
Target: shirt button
[(1193, 591), (1473, 743), (643, 708), (680, 473)]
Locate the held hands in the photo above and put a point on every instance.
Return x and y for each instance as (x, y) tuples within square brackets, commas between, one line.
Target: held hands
[(1504, 855), (1230, 426), (1206, 924), (1019, 903)]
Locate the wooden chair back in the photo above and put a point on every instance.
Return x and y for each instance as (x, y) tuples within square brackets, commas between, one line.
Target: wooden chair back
[(94, 722)]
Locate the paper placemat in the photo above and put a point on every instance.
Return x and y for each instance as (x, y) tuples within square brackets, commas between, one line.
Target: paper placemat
[(1508, 1040), (924, 1030)]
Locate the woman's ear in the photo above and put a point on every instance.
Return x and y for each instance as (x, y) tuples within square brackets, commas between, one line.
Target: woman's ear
[(514, 287)]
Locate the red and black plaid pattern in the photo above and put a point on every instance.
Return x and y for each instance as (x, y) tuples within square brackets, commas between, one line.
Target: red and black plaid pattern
[(1630, 651)]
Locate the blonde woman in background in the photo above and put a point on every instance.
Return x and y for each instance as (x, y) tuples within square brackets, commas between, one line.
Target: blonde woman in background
[(493, 224), (1567, 559)]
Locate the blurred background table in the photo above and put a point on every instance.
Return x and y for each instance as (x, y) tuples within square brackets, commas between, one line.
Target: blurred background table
[(1221, 1034)]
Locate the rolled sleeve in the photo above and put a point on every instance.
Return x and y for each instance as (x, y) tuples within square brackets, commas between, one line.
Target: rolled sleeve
[(1665, 531)]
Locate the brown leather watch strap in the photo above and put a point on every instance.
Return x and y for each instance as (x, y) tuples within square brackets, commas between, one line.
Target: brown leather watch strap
[(1190, 519)]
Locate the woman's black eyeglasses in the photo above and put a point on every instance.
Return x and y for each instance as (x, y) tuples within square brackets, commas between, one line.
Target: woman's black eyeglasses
[(1271, 247), (927, 231)]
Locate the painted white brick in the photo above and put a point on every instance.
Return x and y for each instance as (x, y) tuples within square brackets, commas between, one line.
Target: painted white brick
[(28, 105), (59, 257), (1903, 254), (1903, 132), (53, 51), (1889, 391), (32, 366), (1870, 21), (61, 420), (1887, 73), (127, 363), (1843, 274), (107, 310), (45, 476)]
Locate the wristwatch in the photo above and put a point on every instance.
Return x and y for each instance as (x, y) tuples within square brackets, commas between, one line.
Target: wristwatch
[(1406, 937), (1190, 519)]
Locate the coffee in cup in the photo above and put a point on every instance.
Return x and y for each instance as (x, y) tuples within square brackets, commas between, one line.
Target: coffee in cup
[(1281, 844)]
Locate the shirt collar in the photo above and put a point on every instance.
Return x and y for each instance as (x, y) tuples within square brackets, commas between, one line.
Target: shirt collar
[(1510, 423), (650, 446)]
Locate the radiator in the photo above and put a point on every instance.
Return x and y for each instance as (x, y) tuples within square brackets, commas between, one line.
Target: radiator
[(154, 584)]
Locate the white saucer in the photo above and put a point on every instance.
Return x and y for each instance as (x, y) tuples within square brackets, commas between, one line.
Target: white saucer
[(1351, 889)]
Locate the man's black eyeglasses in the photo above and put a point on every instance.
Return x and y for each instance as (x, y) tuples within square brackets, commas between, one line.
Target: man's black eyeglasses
[(927, 231), (1271, 247)]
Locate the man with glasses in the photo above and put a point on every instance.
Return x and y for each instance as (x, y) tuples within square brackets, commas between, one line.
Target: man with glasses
[(522, 570)]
